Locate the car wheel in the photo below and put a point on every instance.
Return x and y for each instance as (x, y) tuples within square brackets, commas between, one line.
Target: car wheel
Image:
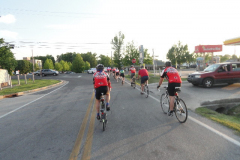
[(208, 82), (43, 74), (54, 74)]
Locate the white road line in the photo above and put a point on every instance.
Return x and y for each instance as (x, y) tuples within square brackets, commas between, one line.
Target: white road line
[(205, 126), (79, 76), (31, 102)]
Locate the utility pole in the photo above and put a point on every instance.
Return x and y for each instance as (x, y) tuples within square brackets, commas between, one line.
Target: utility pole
[(33, 66), (111, 59), (153, 64)]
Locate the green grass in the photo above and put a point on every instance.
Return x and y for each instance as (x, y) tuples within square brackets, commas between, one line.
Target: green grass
[(152, 78), (26, 87), (231, 120)]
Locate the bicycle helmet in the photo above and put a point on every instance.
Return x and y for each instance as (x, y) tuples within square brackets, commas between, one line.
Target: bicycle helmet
[(131, 65), (100, 67), (168, 64)]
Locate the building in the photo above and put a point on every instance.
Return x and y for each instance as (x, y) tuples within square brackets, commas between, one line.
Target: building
[(36, 61)]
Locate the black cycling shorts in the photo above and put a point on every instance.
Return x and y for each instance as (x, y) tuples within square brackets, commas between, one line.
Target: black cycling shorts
[(100, 90), (171, 88), (117, 73), (122, 75), (132, 74), (143, 79)]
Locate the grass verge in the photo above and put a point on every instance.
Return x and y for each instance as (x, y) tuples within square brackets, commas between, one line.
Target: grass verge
[(231, 120), (29, 86)]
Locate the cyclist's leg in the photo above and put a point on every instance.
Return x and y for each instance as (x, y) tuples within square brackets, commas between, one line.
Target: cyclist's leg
[(98, 95), (107, 97), (171, 91), (142, 84)]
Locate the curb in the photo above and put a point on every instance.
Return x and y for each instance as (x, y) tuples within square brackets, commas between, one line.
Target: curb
[(31, 91)]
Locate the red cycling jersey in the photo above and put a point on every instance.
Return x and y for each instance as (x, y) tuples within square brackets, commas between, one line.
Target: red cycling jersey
[(133, 70), (114, 70), (143, 72), (100, 79), (171, 75)]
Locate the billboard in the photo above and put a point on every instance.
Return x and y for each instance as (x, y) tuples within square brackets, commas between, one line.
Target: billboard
[(208, 48)]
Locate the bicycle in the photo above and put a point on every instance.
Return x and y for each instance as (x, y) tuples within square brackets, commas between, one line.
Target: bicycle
[(133, 84), (180, 108), (103, 114)]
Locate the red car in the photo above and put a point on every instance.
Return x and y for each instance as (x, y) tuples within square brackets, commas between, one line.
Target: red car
[(228, 72)]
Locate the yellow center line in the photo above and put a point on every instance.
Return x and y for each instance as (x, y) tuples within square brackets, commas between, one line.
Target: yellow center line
[(88, 145), (77, 145), (232, 86)]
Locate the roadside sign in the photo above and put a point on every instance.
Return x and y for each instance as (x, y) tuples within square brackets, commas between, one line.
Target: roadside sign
[(133, 60)]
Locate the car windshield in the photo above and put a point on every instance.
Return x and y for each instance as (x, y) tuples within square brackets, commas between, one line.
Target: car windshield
[(211, 68)]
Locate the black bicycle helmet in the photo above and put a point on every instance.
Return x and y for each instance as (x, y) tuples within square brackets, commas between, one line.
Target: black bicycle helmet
[(100, 67), (168, 64), (131, 65)]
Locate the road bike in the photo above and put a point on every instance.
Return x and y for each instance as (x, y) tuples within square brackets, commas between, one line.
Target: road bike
[(146, 89), (103, 114), (180, 108), (133, 84)]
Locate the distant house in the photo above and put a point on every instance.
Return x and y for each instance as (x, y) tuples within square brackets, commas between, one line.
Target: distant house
[(36, 61)]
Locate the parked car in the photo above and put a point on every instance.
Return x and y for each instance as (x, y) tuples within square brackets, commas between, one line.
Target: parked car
[(91, 70), (228, 72), (70, 72), (37, 73), (46, 72)]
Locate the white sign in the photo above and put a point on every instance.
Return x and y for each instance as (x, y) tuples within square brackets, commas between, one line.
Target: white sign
[(17, 72)]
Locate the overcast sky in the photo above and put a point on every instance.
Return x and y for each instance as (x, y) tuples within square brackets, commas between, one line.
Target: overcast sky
[(59, 26)]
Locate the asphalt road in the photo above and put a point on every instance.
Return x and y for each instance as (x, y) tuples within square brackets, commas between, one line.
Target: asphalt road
[(60, 123)]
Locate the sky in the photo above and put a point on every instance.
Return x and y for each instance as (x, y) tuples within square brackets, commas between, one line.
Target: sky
[(41, 27)]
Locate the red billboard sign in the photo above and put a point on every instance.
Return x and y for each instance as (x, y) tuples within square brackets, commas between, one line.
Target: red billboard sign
[(208, 48)]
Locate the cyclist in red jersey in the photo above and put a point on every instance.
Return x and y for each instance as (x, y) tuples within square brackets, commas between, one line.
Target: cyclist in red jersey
[(174, 80), (144, 77), (101, 84), (114, 72), (133, 72)]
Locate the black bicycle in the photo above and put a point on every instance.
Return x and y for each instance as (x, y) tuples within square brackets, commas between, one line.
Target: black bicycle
[(180, 108), (103, 116)]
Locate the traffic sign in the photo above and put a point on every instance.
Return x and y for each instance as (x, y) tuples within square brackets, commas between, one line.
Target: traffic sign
[(133, 60)]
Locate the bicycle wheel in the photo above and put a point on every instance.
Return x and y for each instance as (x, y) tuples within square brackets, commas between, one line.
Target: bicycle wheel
[(181, 111), (146, 91), (104, 121), (164, 101)]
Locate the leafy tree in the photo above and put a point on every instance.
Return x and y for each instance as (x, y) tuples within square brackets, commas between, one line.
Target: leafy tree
[(91, 58), (64, 65), (147, 58), (44, 58), (87, 65), (68, 57), (225, 57), (78, 64), (23, 66), (7, 59), (48, 64), (117, 43), (177, 53), (131, 53), (36, 67), (70, 65), (58, 67), (105, 60), (234, 56)]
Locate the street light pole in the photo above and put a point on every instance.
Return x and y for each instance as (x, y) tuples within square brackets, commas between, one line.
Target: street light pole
[(153, 64), (33, 66)]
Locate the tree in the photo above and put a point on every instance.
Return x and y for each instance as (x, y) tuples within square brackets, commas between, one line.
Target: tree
[(58, 67), (7, 59), (117, 43), (23, 66), (177, 53), (78, 64), (131, 53), (225, 57), (44, 58), (234, 56), (87, 65), (68, 57), (91, 58), (48, 64), (147, 58), (64, 65), (105, 60), (70, 66)]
